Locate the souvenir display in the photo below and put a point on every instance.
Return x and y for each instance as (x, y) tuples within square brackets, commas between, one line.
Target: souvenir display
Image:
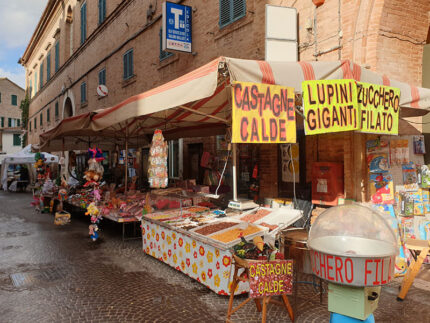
[(157, 170)]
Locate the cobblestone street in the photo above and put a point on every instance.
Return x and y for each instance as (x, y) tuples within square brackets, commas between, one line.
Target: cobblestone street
[(56, 274)]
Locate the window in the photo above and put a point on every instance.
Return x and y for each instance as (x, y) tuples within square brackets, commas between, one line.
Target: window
[(102, 11), (14, 99), (102, 77), (48, 115), (29, 126), (57, 56), (163, 53), (18, 122), (41, 75), (35, 122), (56, 110), (48, 66), (30, 90), (16, 139), (9, 122), (83, 92), (83, 22), (230, 11), (41, 119), (2, 122), (35, 82), (128, 64)]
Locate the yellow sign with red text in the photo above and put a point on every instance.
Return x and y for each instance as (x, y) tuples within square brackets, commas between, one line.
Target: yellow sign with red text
[(263, 113)]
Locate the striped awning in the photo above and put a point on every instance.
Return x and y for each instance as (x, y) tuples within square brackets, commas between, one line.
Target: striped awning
[(200, 100), (199, 103)]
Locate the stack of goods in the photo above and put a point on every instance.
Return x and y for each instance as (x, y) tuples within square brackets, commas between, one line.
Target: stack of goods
[(157, 171)]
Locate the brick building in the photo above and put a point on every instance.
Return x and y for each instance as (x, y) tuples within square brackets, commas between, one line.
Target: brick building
[(10, 117), (79, 44)]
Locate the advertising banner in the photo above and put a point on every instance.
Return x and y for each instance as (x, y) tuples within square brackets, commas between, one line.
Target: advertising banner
[(354, 271), (270, 278), (263, 113), (379, 108), (176, 31), (330, 106)]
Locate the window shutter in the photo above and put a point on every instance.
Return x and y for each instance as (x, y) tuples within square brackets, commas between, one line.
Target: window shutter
[(124, 58), (83, 23), (18, 121), (41, 75), (2, 122), (16, 140), (239, 9), (57, 56), (104, 9), (224, 12), (48, 115), (48, 67), (131, 63), (56, 109), (41, 119), (9, 122)]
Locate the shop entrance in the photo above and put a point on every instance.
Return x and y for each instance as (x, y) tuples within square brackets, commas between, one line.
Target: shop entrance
[(194, 171)]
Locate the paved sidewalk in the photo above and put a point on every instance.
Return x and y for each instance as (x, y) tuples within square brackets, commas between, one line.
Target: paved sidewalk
[(56, 274)]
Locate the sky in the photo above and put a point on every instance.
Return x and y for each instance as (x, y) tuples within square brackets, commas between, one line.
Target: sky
[(18, 20)]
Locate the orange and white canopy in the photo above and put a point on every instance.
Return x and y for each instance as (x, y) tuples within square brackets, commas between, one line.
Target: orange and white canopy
[(198, 103), (200, 100)]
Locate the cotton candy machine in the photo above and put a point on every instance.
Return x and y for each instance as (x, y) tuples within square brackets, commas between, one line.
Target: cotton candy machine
[(353, 247)]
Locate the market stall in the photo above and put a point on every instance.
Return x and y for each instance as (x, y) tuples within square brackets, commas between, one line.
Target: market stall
[(24, 157), (201, 103)]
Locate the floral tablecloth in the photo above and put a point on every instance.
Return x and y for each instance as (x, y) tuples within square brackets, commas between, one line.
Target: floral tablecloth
[(206, 263)]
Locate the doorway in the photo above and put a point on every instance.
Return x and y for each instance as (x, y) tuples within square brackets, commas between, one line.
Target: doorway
[(194, 171)]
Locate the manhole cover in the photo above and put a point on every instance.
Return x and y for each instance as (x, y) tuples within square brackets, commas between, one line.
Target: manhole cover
[(28, 279)]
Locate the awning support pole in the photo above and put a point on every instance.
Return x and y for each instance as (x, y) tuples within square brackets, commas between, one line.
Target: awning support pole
[(234, 173), (202, 113), (126, 158)]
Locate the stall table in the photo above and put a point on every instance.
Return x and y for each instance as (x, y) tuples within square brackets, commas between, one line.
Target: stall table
[(124, 221), (201, 259)]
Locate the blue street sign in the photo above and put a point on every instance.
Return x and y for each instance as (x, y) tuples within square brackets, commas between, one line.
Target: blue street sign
[(176, 27)]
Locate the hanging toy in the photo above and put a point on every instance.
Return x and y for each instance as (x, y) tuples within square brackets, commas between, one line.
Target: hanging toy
[(94, 212), (157, 170), (93, 230)]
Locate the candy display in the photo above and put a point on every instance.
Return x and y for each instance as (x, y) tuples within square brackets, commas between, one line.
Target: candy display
[(252, 217), (235, 233), (212, 228), (157, 170)]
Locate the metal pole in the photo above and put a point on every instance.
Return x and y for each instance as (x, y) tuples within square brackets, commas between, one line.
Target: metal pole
[(234, 173), (126, 158)]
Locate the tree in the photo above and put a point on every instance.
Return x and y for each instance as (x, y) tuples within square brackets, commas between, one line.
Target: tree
[(24, 106)]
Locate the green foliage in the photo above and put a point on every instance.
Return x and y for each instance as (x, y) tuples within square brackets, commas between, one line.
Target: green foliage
[(24, 106)]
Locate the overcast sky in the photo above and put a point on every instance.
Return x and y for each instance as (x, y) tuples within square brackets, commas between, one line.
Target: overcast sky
[(18, 19)]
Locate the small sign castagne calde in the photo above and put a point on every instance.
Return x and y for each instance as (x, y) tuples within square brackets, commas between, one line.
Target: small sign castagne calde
[(270, 278)]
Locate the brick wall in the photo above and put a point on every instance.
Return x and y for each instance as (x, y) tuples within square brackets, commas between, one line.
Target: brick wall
[(386, 36)]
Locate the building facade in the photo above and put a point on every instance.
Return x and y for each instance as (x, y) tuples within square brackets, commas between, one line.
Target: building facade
[(10, 117), (79, 44)]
